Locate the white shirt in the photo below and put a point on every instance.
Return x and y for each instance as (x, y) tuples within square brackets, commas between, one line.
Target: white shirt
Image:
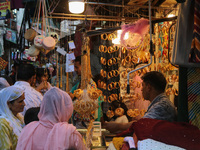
[(33, 98), (122, 119)]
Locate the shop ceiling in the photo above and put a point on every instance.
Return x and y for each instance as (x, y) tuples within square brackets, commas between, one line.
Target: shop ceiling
[(112, 10)]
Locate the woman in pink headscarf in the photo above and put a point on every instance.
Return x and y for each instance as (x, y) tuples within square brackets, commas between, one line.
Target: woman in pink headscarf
[(52, 131)]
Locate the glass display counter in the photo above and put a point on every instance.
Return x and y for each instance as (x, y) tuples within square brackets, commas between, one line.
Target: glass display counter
[(98, 142)]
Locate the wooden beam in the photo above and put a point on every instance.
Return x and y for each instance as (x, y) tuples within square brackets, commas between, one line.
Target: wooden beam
[(158, 2)]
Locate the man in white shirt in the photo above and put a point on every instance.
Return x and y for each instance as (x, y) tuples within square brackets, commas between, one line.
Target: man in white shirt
[(26, 76)]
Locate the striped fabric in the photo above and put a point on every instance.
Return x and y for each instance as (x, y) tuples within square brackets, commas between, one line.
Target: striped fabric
[(195, 47), (193, 84)]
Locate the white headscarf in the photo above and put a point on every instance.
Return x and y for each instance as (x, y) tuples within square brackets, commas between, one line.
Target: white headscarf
[(9, 94), (3, 83)]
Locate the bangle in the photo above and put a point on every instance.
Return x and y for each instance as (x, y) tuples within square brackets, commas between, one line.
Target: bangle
[(109, 50), (101, 60), (109, 62), (111, 36), (114, 60), (176, 92), (137, 112), (123, 50), (117, 85), (104, 61), (113, 85), (105, 49), (134, 59), (104, 36), (112, 98), (128, 59), (128, 70), (123, 62), (110, 74), (104, 86), (115, 73), (101, 48), (110, 87), (116, 48), (169, 91), (104, 74), (123, 74), (144, 70), (109, 100)]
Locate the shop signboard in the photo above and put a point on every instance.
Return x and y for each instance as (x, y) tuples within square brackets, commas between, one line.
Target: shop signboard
[(11, 35), (5, 10)]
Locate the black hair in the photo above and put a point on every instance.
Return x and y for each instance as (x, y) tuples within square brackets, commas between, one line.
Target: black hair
[(78, 59), (25, 72), (31, 115), (40, 72), (98, 77), (156, 80), (116, 104)]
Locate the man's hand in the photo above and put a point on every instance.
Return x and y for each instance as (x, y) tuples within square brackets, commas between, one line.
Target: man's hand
[(43, 85), (112, 126), (71, 95)]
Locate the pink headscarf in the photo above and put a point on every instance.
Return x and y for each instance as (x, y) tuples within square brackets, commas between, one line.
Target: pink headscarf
[(52, 131)]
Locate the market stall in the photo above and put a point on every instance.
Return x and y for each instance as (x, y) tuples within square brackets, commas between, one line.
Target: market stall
[(126, 39)]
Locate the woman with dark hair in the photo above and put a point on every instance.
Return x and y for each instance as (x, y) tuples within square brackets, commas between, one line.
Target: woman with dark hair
[(31, 115), (42, 76)]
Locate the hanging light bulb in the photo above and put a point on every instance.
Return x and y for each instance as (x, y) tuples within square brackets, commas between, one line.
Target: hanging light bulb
[(170, 15), (117, 40), (76, 6)]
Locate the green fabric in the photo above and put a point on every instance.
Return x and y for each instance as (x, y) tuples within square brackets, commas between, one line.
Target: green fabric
[(8, 139), (100, 100), (75, 87)]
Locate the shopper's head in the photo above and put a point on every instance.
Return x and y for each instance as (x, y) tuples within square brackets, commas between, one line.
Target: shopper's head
[(56, 106), (11, 100), (31, 115), (153, 81), (26, 72), (42, 74), (77, 65)]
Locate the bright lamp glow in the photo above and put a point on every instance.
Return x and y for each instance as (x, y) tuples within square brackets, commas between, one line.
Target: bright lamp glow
[(126, 36), (76, 6), (170, 16), (117, 40)]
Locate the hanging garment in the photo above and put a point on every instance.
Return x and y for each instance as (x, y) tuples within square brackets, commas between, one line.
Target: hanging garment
[(184, 34), (193, 96), (195, 47)]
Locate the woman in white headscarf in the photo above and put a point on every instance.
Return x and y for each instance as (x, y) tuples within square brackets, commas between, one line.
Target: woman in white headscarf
[(52, 131), (11, 121)]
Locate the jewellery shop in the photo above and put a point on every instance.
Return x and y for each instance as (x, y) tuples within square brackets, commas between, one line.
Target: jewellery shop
[(131, 68)]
